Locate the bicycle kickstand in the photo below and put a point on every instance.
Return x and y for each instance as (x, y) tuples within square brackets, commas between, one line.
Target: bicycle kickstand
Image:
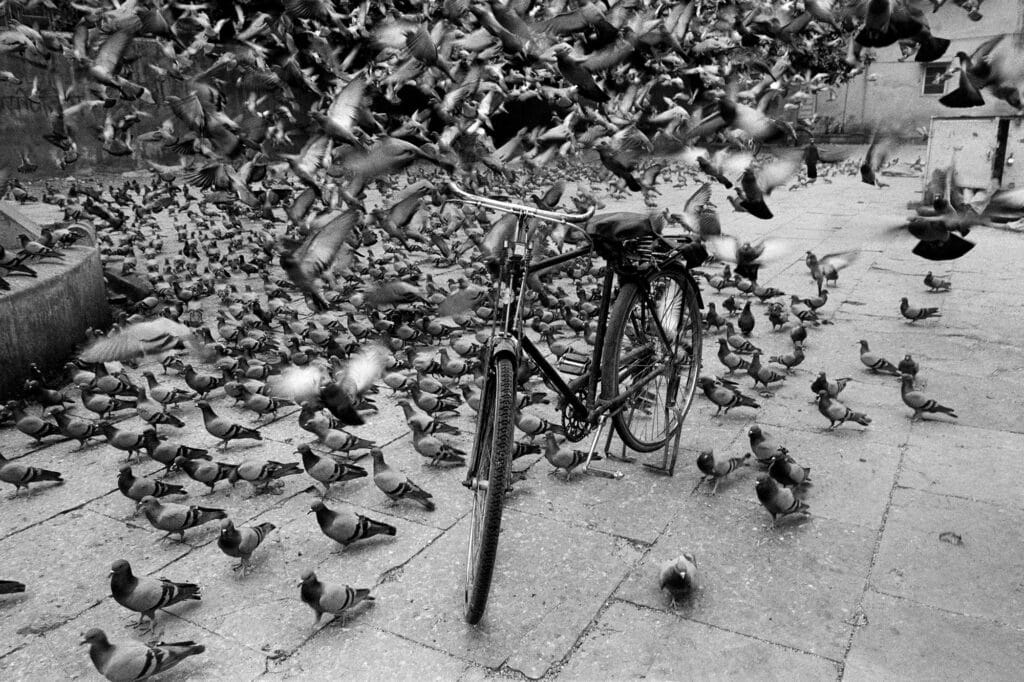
[(671, 452), (622, 457), (595, 470)]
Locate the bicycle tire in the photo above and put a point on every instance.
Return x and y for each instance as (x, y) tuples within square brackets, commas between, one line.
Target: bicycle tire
[(493, 453), (630, 317)]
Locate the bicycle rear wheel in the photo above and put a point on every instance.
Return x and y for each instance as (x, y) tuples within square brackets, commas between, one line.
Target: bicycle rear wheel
[(654, 329), (492, 452)]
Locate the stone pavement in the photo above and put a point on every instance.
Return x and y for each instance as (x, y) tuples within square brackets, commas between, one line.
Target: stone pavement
[(862, 590)]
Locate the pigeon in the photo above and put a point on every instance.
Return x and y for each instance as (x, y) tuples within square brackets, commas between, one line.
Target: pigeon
[(679, 577), (789, 360), (31, 425), (166, 395), (205, 471), (917, 401), (908, 365), (763, 445), (345, 393), (746, 320), (874, 362), (151, 337), (937, 283), (837, 413), (130, 661), (717, 468), (562, 458), (256, 471), (832, 387), (789, 473), (826, 269), (914, 313), (737, 342), (731, 360), (395, 485), (21, 475), (761, 374), (327, 598), (223, 429), (436, 450), (242, 542), (75, 427), (327, 469), (201, 383), (304, 262), (177, 518), (145, 595), (725, 395), (779, 501), (346, 527), (136, 488)]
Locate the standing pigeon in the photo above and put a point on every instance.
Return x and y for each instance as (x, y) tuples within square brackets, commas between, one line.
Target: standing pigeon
[(135, 488), (346, 527), (395, 485), (564, 458), (679, 577), (177, 518), (763, 445), (205, 471), (223, 429), (725, 394), (242, 542), (327, 469), (875, 362), (130, 661), (255, 471), (918, 402), (837, 413), (20, 475), (327, 598), (717, 468), (779, 501), (145, 595), (913, 313)]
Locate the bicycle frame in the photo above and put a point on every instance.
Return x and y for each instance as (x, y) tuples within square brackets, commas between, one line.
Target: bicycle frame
[(509, 294)]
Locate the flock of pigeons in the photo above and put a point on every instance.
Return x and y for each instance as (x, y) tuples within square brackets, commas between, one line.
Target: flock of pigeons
[(386, 100)]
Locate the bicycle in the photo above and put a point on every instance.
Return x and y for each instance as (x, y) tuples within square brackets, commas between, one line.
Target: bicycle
[(646, 357)]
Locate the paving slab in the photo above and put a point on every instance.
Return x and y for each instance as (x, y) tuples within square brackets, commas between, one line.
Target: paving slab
[(972, 571), (796, 585), (901, 639), (358, 652), (551, 580), (65, 565), (58, 654), (952, 470), (664, 646)]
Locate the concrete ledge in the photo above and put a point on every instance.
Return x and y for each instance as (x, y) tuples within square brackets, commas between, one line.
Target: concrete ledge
[(42, 319), (12, 223)]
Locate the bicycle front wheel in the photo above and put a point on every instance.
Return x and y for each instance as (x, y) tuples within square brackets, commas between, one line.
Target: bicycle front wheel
[(654, 336), (493, 455)]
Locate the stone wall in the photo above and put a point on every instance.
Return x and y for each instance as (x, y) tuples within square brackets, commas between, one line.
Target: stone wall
[(42, 319)]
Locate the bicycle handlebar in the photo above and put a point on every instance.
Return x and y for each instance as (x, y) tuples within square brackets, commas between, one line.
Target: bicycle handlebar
[(520, 209)]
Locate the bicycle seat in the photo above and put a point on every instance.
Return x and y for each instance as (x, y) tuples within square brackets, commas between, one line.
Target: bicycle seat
[(616, 227)]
